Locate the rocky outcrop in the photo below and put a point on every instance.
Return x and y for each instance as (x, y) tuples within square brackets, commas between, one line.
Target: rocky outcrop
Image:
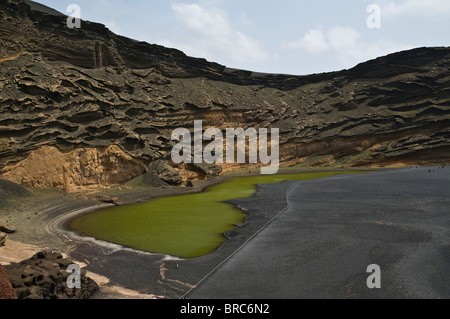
[(108, 199), (165, 172), (4, 227), (6, 289), (78, 169), (67, 92), (44, 276), (207, 169)]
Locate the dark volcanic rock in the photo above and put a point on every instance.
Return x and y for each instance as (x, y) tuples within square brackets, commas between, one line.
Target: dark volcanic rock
[(165, 172), (7, 228), (76, 89), (108, 199), (44, 276), (208, 169)]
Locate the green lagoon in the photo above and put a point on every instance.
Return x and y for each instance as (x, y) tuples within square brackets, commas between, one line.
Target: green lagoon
[(185, 226)]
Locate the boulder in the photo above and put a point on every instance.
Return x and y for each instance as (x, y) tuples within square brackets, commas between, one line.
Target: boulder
[(210, 170), (44, 276), (165, 172), (4, 227), (187, 184), (108, 199)]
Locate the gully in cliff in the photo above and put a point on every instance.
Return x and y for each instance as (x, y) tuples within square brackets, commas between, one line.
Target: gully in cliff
[(258, 144)]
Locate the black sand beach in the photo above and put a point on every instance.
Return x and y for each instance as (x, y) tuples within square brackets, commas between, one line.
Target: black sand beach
[(334, 228), (318, 247)]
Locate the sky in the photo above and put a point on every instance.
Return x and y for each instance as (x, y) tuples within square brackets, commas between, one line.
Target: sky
[(275, 36)]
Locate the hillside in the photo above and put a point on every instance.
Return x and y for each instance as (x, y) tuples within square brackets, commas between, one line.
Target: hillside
[(86, 108)]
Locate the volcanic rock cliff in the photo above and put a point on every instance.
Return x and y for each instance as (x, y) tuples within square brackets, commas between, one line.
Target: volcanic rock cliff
[(88, 108)]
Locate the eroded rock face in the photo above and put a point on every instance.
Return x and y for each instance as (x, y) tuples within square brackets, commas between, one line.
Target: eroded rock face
[(44, 276), (74, 90), (81, 168)]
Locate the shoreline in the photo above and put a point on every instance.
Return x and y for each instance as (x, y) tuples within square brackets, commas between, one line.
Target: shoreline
[(15, 252), (70, 241), (333, 228), (59, 224)]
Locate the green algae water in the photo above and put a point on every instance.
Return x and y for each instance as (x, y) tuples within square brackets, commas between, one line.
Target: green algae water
[(185, 226)]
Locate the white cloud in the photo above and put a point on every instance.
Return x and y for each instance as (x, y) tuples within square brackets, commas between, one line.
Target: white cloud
[(424, 8), (245, 21), (211, 35), (344, 44), (314, 41)]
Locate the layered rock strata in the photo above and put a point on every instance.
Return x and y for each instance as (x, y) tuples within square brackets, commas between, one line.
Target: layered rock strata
[(88, 108)]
